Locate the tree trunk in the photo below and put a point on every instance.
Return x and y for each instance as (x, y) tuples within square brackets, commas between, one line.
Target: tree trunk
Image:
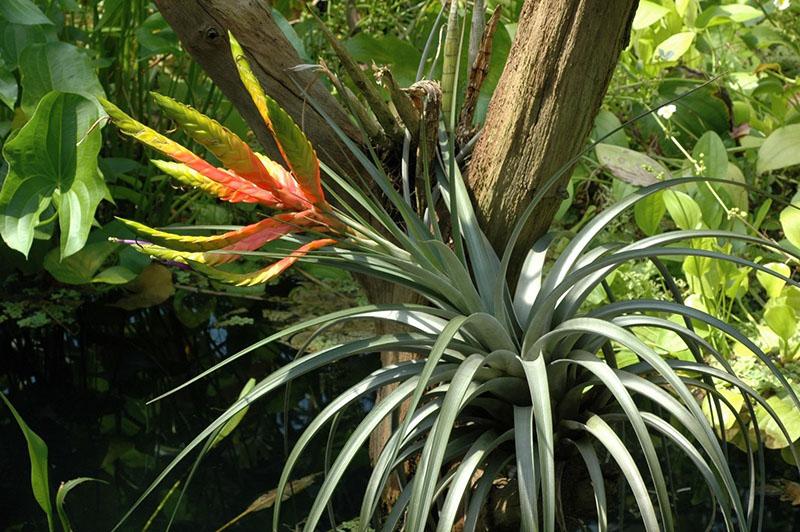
[(203, 26), (558, 70)]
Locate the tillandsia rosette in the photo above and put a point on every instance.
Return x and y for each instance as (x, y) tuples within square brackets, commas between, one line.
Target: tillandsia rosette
[(294, 194)]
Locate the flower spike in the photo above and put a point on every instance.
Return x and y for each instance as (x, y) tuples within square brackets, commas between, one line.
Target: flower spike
[(226, 146), (240, 189), (266, 274), (248, 177), (295, 148), (247, 238)]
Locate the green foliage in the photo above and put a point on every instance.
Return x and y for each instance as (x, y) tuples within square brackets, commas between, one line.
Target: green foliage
[(56, 66), (53, 164), (37, 451), (23, 12), (779, 150)]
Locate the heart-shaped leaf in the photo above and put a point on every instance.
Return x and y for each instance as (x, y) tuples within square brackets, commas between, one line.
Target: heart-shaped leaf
[(53, 160)]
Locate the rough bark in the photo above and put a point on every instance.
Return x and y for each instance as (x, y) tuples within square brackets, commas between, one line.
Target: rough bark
[(558, 70), (203, 25)]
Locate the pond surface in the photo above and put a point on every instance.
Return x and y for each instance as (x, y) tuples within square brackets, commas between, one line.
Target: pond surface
[(84, 389), (84, 392)]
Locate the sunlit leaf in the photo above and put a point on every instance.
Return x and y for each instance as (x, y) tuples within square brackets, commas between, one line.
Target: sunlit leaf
[(725, 14), (780, 150), (673, 48), (647, 14), (781, 318), (53, 161), (683, 209), (788, 414), (649, 212), (773, 285), (790, 221), (232, 423)]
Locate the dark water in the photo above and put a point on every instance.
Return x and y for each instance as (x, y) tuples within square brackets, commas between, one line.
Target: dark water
[(84, 393), (83, 389)]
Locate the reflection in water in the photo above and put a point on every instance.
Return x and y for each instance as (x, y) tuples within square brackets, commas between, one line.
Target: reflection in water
[(83, 388)]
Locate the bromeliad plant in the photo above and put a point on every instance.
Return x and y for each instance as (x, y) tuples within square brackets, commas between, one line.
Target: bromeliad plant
[(295, 194), (514, 378)]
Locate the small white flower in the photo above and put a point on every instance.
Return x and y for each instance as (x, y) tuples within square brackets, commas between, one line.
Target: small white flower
[(667, 111), (781, 4)]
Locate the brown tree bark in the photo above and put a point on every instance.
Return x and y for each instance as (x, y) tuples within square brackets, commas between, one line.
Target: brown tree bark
[(558, 70), (203, 26)]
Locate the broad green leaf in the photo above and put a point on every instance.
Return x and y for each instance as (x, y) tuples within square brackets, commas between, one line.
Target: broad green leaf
[(683, 209), (780, 150), (649, 212), (711, 160), (790, 417), (780, 317), (698, 112), (8, 87), (630, 166), (56, 66), (14, 38), (673, 48), (772, 284), (53, 160), (81, 267), (738, 195), (151, 287), (728, 417), (115, 275), (707, 200), (792, 295), (23, 12), (648, 14), (711, 156), (716, 15), (682, 6), (604, 123), (398, 54), (37, 451), (155, 36), (790, 221)]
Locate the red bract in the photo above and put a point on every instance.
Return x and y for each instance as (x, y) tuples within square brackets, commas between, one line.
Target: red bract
[(294, 191)]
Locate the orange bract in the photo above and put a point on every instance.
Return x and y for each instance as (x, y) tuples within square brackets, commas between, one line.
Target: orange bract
[(295, 191)]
